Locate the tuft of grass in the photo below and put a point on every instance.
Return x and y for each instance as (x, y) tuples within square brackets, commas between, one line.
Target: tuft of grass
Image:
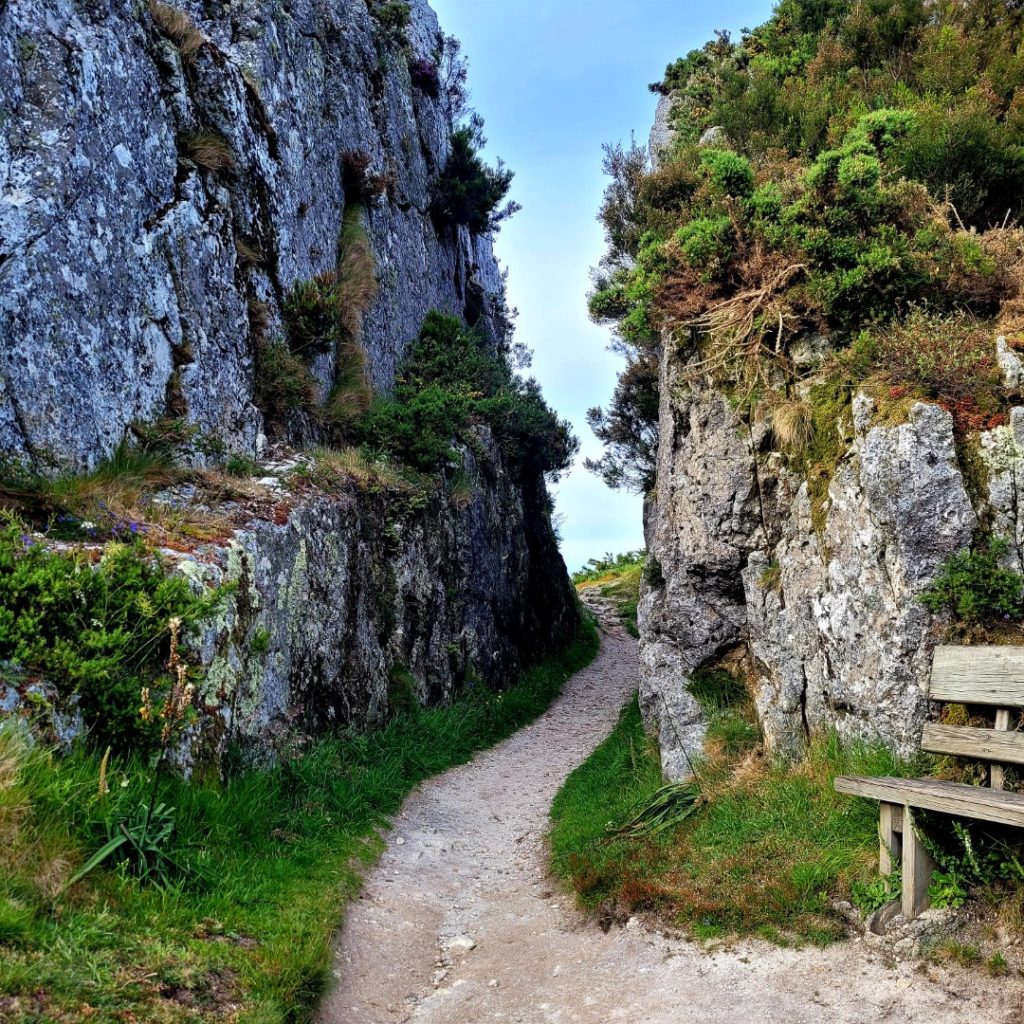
[(280, 851), (768, 847), (771, 577), (793, 424), (997, 966), (179, 28), (116, 482), (334, 469), (112, 501), (950, 950), (208, 150)]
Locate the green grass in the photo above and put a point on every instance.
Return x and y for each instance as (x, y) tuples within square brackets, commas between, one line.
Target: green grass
[(766, 851), (275, 855)]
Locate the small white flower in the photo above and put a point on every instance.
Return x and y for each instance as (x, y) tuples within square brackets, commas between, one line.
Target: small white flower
[(87, 524)]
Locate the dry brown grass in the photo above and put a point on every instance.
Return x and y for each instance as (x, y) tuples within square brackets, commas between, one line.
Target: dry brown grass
[(208, 150), (742, 324), (249, 255), (179, 28), (1006, 247), (355, 281), (793, 424), (337, 468)]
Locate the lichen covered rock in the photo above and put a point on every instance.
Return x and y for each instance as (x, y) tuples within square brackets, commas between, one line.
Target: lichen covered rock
[(159, 198), (827, 604)]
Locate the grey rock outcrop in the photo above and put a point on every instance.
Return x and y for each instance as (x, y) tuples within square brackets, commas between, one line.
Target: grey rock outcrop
[(662, 134), (135, 274), (346, 606), (167, 175), (826, 606)]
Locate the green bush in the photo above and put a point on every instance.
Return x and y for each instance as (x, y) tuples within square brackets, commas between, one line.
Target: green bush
[(798, 82), (706, 244), (99, 631), (976, 588), (871, 147), (284, 383), (468, 191), (728, 173), (393, 18), (451, 378)]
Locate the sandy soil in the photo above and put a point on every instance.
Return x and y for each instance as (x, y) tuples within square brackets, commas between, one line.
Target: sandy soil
[(461, 924)]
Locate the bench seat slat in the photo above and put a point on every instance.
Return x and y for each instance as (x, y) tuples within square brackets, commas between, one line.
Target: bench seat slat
[(990, 675), (946, 797), (980, 744)]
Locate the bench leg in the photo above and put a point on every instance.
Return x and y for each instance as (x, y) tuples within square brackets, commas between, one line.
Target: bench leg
[(890, 840), (917, 870)]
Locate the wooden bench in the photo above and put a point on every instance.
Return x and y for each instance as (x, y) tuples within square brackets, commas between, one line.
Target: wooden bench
[(992, 676)]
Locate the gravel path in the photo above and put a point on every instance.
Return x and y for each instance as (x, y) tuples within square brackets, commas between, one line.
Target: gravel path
[(460, 923)]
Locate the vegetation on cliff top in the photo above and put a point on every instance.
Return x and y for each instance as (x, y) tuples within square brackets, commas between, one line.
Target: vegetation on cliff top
[(450, 379), (860, 177), (273, 857), (616, 578)]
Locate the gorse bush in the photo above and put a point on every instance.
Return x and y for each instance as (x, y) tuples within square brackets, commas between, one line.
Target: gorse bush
[(452, 378), (865, 161), (800, 80), (96, 630)]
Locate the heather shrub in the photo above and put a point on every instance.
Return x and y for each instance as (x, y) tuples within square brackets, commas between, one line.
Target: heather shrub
[(950, 360)]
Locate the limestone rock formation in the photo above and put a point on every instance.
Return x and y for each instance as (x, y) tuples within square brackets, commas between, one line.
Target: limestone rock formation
[(826, 605), (160, 196), (167, 175)]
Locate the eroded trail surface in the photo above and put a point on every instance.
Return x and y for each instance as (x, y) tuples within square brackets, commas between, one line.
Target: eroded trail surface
[(460, 923)]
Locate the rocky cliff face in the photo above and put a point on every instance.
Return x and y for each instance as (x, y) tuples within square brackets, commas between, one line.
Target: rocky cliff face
[(138, 274), (826, 613), (819, 600), (344, 607), (137, 270)]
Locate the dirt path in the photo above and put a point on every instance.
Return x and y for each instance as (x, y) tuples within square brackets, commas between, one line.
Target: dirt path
[(460, 924)]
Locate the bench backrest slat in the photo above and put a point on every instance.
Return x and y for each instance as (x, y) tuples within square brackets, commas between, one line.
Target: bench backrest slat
[(979, 675), (979, 744)]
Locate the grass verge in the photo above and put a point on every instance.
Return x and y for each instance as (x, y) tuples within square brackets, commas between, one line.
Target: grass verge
[(769, 846), (274, 857)]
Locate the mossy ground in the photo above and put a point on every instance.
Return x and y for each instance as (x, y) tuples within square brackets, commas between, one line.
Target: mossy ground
[(275, 855)]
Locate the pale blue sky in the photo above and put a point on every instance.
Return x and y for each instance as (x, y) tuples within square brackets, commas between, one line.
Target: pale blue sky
[(554, 79)]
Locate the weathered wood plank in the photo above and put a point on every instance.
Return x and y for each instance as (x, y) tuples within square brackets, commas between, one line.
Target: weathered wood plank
[(980, 744), (946, 797), (978, 675), (996, 775), (917, 870), (890, 847)]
